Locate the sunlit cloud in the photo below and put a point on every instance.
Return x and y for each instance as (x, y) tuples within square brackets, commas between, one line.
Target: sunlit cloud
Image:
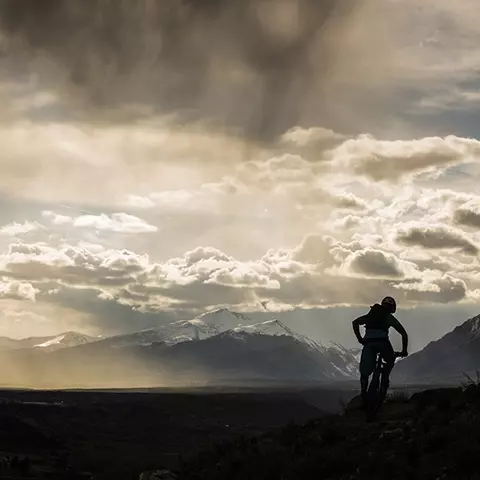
[(285, 154)]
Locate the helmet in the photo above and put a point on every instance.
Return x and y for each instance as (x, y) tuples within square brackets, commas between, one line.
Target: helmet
[(390, 304)]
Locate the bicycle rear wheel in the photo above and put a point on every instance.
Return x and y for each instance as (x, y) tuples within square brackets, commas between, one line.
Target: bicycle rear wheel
[(374, 390)]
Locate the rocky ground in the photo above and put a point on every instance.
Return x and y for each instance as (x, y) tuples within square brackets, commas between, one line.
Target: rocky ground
[(432, 435)]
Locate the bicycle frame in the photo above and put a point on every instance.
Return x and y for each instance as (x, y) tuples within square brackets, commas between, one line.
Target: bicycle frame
[(375, 395)]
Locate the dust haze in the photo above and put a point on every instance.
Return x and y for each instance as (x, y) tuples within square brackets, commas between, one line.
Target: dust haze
[(253, 68), (68, 368)]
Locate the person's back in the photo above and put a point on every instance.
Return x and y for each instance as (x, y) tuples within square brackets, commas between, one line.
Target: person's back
[(377, 323)]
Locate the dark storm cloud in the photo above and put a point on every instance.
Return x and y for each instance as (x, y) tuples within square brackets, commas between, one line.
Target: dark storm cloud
[(254, 65)]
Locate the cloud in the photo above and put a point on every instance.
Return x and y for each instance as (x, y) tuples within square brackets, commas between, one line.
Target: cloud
[(89, 164), (17, 290), (381, 160), (377, 264), (443, 290), (207, 276), (321, 271), (437, 238), (278, 164), (257, 82), (74, 266), (136, 201), (15, 228), (468, 214), (318, 136), (115, 223)]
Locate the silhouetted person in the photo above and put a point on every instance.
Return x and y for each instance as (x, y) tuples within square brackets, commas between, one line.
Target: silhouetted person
[(377, 323)]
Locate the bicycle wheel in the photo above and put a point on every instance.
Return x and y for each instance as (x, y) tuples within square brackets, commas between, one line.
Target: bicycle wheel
[(373, 389)]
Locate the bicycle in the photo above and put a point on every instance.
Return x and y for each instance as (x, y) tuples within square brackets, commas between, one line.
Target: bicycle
[(375, 393)]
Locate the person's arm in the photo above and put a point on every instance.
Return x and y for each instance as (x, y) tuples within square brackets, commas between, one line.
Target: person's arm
[(399, 328), (356, 327)]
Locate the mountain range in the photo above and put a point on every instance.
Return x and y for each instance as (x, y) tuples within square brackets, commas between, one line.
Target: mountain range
[(219, 347), (47, 344)]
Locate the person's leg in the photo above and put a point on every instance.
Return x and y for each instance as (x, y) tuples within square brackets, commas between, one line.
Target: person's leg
[(367, 365), (389, 358)]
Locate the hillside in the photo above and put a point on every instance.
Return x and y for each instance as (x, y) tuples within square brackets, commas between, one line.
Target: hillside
[(446, 359), (433, 435)]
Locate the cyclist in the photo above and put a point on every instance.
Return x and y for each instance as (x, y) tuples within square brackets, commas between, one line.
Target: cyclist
[(377, 322)]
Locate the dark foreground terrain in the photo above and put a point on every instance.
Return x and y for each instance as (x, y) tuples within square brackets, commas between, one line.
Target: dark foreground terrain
[(117, 435), (239, 434), (433, 435)]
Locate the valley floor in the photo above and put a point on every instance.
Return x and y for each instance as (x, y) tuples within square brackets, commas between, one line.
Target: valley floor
[(114, 435)]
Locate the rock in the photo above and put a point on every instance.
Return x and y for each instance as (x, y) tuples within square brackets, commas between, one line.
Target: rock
[(157, 475)]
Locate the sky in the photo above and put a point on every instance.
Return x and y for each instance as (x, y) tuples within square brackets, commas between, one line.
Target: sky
[(162, 159)]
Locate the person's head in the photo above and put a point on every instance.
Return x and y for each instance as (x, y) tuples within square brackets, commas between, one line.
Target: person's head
[(389, 304)]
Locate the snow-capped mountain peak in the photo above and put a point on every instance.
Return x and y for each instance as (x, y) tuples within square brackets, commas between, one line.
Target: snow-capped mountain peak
[(223, 319), (275, 327), (52, 341), (208, 324), (199, 328), (270, 327), (66, 340)]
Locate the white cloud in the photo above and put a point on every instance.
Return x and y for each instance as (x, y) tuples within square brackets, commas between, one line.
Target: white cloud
[(321, 271), (137, 201), (311, 143), (392, 159), (70, 265), (116, 222), (15, 290), (14, 229)]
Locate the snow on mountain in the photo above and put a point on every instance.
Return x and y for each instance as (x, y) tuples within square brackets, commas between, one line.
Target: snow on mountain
[(217, 321), (276, 327), (52, 341), (199, 328), (66, 340), (333, 360), (47, 343), (343, 360), (270, 327)]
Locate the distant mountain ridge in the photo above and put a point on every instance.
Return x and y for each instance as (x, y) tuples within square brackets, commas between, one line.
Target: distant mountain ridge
[(216, 346), (47, 343), (450, 357), (201, 327)]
